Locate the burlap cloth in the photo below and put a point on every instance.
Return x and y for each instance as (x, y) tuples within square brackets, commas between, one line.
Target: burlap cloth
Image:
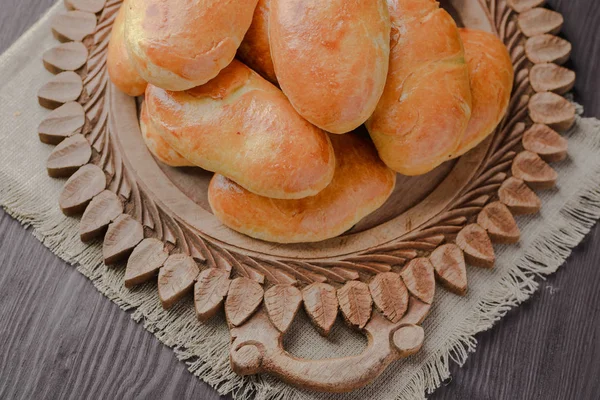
[(28, 194)]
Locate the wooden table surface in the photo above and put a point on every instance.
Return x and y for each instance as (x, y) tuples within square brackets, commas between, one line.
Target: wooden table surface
[(60, 338)]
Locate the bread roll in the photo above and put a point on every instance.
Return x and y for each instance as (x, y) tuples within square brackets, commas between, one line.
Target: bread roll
[(331, 58), (180, 44), (361, 184), (491, 73), (243, 127), (157, 145), (426, 105), (255, 50), (120, 70)]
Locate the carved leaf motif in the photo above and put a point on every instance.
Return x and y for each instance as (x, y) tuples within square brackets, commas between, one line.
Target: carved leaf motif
[(102, 210), (80, 188), (419, 279), (62, 88), (209, 292), (389, 295), (449, 264), (476, 245), (176, 278), (282, 303), (517, 196), (65, 57), (532, 169), (356, 303), (121, 238), (321, 305), (538, 21), (551, 78), (498, 221), (547, 143), (61, 123), (73, 26), (91, 6), (547, 49), (145, 261), (243, 299), (69, 156), (553, 110)]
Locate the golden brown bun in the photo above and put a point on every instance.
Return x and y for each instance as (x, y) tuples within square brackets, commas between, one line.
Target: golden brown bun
[(120, 70), (255, 50), (180, 44), (361, 184), (491, 73), (157, 145), (243, 127), (426, 105), (331, 58)]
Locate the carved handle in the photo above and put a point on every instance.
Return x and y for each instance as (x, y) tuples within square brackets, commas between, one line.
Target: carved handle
[(257, 347)]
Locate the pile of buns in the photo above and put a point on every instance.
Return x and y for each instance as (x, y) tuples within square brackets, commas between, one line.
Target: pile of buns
[(269, 94)]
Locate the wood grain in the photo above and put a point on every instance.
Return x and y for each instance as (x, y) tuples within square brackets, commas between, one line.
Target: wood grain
[(66, 158), (243, 299), (145, 261), (321, 305), (390, 295), (62, 123), (534, 171), (81, 188), (450, 268), (552, 78), (210, 290), (518, 197), (176, 278), (103, 209), (477, 246), (499, 223), (546, 142), (282, 303), (532, 383), (62, 88)]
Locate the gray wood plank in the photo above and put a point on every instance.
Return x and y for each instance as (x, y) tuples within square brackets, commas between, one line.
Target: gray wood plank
[(60, 338)]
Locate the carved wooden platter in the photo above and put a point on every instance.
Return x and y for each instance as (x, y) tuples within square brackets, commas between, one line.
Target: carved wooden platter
[(380, 276)]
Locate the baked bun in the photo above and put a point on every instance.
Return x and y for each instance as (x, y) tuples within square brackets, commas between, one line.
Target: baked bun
[(120, 70), (361, 184), (255, 50), (177, 44), (426, 105), (331, 58), (157, 145), (492, 75), (241, 126)]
